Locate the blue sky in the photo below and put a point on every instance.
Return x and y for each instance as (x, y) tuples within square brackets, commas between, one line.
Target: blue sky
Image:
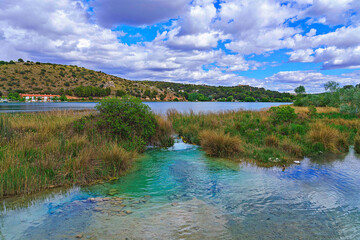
[(274, 44)]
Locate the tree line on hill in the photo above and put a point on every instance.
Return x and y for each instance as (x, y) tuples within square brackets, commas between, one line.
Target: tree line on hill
[(192, 92)]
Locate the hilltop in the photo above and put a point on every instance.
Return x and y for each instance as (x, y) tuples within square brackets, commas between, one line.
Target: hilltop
[(47, 78)]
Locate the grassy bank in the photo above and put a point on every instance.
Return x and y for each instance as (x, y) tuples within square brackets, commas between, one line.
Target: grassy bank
[(45, 150), (268, 138)]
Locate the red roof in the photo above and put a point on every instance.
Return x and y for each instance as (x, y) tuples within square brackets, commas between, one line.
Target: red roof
[(38, 95)]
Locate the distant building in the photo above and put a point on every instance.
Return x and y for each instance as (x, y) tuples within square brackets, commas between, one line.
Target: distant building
[(40, 98)]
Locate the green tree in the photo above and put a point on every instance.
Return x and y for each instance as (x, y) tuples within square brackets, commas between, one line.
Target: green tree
[(250, 99), (229, 98), (300, 90), (20, 60), (120, 93), (15, 96), (128, 118), (63, 98), (162, 97), (331, 86)]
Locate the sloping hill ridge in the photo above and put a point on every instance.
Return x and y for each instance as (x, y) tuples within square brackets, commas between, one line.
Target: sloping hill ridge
[(47, 78)]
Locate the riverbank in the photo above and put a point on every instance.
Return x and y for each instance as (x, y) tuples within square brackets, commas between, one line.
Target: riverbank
[(49, 149), (275, 137), (60, 148)]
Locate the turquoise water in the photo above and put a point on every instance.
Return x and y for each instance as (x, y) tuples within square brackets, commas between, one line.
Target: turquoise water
[(179, 193), (157, 107)]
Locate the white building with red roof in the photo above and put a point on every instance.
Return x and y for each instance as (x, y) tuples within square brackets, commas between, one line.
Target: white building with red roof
[(40, 97)]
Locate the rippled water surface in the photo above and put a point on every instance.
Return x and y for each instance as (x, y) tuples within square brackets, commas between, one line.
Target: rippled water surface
[(179, 193), (158, 107)]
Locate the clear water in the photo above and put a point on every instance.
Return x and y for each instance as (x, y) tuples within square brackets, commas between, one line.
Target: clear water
[(157, 107), (179, 193)]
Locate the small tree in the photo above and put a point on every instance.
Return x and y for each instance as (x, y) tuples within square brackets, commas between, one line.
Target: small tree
[(20, 60), (128, 118), (331, 86), (63, 98), (300, 90), (120, 93), (229, 98), (249, 99)]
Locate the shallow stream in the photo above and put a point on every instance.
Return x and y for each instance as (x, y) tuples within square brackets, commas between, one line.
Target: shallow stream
[(179, 193)]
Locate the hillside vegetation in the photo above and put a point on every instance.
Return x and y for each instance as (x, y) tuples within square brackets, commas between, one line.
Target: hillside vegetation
[(47, 78)]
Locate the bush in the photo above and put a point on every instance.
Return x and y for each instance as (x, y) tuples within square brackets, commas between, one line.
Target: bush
[(282, 114), (220, 144), (127, 117), (312, 111)]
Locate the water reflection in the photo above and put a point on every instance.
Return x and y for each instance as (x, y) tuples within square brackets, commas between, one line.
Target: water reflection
[(180, 193)]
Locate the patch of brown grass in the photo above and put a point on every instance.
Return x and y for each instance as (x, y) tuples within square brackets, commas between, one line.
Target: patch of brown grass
[(117, 158), (220, 145), (272, 141), (305, 110), (329, 137), (291, 147)]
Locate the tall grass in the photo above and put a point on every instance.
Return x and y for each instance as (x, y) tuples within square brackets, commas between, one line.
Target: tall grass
[(43, 150), (220, 144), (264, 141), (357, 144)]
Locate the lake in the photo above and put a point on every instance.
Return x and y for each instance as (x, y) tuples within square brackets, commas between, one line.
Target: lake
[(157, 107), (179, 193)]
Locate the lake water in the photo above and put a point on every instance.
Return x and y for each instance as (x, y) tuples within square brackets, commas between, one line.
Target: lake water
[(179, 193), (157, 107)]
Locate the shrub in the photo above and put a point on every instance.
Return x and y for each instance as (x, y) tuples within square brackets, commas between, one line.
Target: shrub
[(327, 136), (312, 111), (220, 144), (126, 117), (282, 114), (357, 144)]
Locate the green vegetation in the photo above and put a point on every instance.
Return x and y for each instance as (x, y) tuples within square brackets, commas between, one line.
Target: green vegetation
[(274, 137), (45, 150), (346, 98), (243, 93), (90, 91)]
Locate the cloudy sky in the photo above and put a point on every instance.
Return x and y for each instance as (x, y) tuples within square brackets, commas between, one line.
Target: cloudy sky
[(274, 44)]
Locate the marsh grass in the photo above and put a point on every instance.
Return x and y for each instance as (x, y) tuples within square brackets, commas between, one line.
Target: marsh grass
[(264, 141), (44, 150), (219, 144)]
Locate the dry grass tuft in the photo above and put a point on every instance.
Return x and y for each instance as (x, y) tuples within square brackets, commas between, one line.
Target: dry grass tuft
[(272, 141), (329, 137), (117, 158), (220, 144), (291, 147)]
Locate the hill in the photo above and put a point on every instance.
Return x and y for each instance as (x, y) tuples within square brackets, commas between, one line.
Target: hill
[(47, 78)]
